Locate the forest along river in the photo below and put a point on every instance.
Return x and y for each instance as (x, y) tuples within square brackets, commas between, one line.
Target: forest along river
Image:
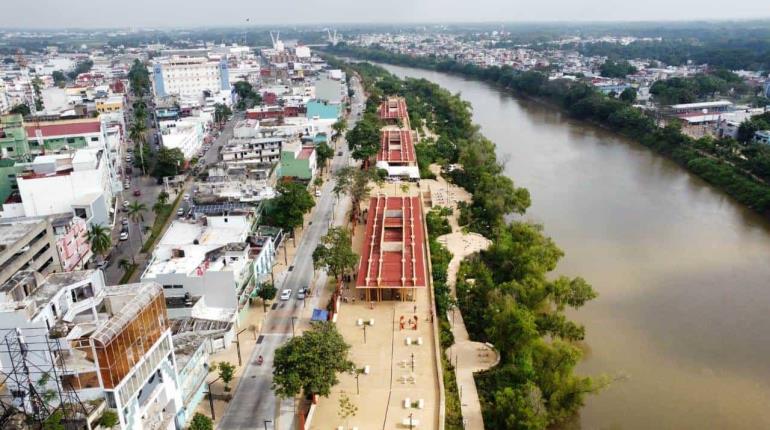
[(683, 272)]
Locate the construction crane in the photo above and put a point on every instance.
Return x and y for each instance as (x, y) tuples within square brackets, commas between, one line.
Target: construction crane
[(333, 38)]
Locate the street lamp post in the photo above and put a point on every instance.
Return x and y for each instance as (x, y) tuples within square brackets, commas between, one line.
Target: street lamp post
[(412, 362), (364, 332), (211, 399), (268, 421), (357, 375), (292, 325), (237, 343)]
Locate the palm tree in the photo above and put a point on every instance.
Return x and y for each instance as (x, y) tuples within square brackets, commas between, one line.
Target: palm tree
[(124, 264), (163, 198), (339, 127), (138, 133), (136, 212), (100, 240)]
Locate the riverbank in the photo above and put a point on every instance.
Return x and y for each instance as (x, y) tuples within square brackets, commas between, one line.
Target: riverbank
[(703, 157), (493, 311)]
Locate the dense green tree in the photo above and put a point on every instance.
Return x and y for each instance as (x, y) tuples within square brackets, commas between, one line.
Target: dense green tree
[(335, 253), (266, 292), (226, 372), (620, 69), (287, 210), (168, 162), (59, 78), (221, 112), (201, 422), (364, 139), (628, 95), (309, 363), (20, 109), (109, 419), (323, 153)]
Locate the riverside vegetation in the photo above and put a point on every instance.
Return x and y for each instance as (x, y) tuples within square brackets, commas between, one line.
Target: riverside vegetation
[(505, 293), (738, 167)]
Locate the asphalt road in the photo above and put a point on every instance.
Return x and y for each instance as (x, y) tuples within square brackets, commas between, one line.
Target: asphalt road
[(254, 400), (149, 194)]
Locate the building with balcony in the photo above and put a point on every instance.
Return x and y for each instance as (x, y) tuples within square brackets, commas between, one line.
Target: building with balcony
[(27, 245), (189, 76), (208, 259), (81, 183), (185, 134), (251, 147), (71, 234), (103, 343)]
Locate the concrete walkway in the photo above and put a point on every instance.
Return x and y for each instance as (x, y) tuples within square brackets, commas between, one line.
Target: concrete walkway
[(468, 356)]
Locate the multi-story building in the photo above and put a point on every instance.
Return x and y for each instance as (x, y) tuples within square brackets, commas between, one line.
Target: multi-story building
[(234, 183), (79, 183), (209, 260), (72, 245), (13, 138), (110, 344), (109, 104), (250, 146), (185, 134), (27, 245), (189, 76), (66, 135)]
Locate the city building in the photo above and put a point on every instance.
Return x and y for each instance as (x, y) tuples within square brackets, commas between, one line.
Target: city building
[(697, 113), (392, 111), (397, 154), (208, 259), (189, 76), (79, 183), (250, 146), (109, 104), (72, 245), (104, 344), (233, 183), (27, 244), (64, 135), (298, 161), (762, 136), (319, 109), (393, 255), (185, 134), (13, 138)]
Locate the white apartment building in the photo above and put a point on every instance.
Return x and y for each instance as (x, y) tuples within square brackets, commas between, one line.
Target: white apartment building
[(77, 183), (110, 344), (185, 134), (209, 260), (189, 76), (251, 146)]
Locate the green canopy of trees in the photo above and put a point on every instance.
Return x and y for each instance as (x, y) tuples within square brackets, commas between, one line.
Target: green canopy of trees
[(619, 69), (168, 162), (335, 252), (289, 207), (309, 363)]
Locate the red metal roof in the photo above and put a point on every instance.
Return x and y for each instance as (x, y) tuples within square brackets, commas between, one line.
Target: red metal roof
[(393, 108), (393, 255), (53, 129), (305, 153), (396, 146)]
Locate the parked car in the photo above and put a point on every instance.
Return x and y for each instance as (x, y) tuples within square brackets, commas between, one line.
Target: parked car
[(123, 235), (339, 153), (137, 192), (285, 294), (301, 293), (125, 205), (103, 264), (124, 221), (186, 197), (127, 185), (318, 193), (180, 212)]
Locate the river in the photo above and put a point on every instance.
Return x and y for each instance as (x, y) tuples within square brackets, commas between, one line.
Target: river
[(682, 321)]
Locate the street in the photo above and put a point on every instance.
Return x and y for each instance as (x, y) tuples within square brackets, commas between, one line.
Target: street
[(149, 189), (254, 402)]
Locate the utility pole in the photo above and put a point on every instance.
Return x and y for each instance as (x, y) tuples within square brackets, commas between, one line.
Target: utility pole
[(237, 343)]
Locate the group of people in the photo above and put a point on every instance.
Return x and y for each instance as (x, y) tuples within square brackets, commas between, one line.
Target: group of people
[(411, 321)]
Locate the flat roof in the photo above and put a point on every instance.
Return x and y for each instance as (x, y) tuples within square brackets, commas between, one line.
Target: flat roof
[(10, 233), (393, 253), (719, 103), (305, 153), (396, 146)]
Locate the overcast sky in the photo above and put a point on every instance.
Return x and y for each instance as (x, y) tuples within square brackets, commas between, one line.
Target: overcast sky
[(186, 13)]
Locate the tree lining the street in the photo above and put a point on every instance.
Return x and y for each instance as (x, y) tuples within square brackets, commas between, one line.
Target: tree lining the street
[(288, 209), (335, 253), (309, 364)]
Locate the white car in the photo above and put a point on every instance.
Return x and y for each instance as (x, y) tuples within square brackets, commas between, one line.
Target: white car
[(318, 193), (180, 212), (286, 294), (301, 293), (123, 235), (186, 197)]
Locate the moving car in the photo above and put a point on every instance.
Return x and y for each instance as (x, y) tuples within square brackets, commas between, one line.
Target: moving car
[(301, 293), (286, 294), (339, 153), (137, 192), (186, 197), (123, 235)]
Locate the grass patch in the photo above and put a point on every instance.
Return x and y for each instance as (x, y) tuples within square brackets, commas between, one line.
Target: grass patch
[(128, 274), (453, 418), (161, 218)]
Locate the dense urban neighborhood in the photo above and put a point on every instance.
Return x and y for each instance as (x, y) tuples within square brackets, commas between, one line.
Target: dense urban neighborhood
[(320, 228)]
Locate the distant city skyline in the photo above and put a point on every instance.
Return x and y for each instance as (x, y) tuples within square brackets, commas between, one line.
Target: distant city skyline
[(195, 13)]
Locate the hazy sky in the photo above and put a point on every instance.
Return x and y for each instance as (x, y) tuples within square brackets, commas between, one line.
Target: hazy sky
[(181, 13)]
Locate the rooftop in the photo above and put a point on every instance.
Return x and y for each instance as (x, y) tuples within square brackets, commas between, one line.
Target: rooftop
[(396, 146), (393, 253), (64, 128)]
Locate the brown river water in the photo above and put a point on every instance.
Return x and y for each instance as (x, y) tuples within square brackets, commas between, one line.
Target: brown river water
[(682, 321)]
